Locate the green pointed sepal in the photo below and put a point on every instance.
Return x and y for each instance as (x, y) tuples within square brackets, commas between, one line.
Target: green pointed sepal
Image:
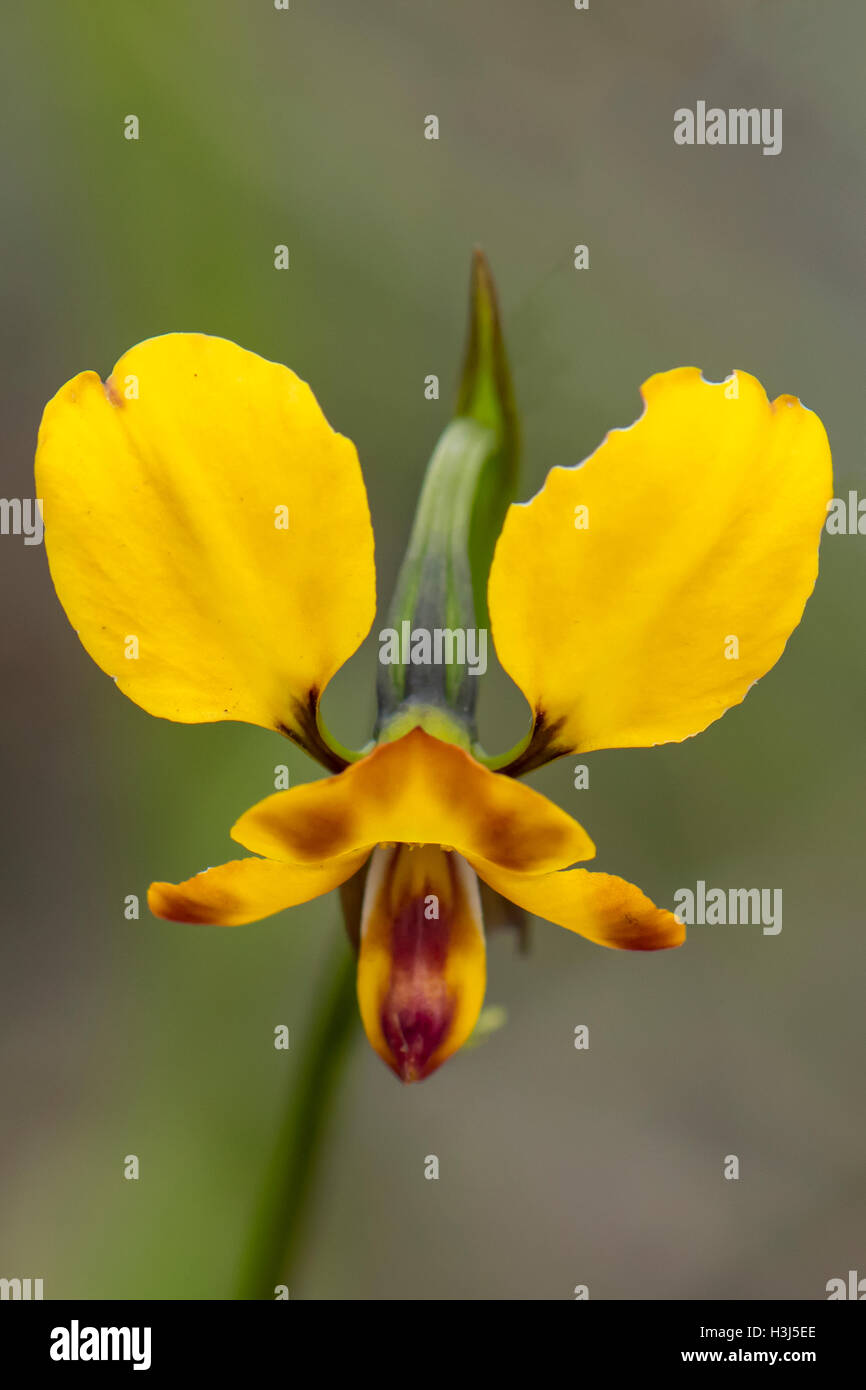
[(437, 645)]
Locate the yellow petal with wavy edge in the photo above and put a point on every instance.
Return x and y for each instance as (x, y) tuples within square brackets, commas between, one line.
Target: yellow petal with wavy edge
[(207, 531), (245, 890), (416, 790), (422, 965), (639, 595), (605, 909)]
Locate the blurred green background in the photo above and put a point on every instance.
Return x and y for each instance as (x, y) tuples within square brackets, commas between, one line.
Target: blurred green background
[(305, 127)]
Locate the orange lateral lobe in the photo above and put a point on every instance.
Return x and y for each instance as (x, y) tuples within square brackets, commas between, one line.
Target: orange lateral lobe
[(245, 890), (422, 966)]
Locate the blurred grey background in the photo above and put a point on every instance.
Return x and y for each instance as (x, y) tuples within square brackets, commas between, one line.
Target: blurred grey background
[(305, 127)]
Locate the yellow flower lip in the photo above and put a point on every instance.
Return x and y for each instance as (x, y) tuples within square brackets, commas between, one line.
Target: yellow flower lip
[(419, 790), (421, 965)]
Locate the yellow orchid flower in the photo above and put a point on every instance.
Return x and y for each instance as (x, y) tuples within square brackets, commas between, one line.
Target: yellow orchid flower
[(209, 538)]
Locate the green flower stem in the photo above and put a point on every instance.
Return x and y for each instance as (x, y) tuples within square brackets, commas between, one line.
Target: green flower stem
[(282, 1209)]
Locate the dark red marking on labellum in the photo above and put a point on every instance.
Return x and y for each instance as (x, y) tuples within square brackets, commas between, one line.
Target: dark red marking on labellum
[(417, 1009)]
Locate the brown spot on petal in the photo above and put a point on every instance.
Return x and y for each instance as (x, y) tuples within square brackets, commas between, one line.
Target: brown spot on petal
[(113, 395)]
